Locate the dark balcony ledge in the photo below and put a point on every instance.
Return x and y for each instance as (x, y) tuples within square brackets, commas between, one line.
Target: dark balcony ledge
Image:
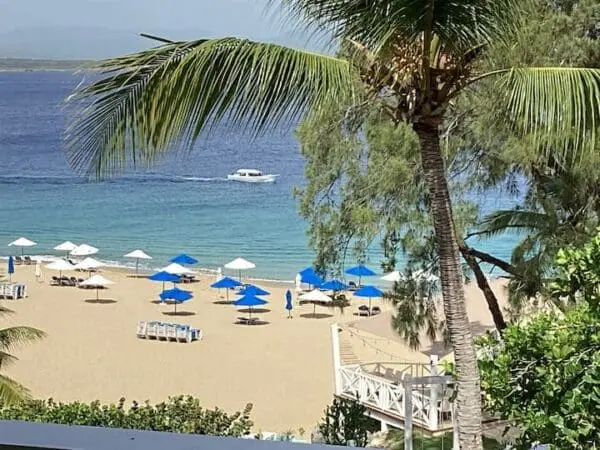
[(29, 436)]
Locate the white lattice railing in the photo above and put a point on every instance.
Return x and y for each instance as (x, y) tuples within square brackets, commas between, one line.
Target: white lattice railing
[(388, 396)]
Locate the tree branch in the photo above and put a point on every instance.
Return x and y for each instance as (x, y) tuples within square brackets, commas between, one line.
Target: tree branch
[(490, 259)]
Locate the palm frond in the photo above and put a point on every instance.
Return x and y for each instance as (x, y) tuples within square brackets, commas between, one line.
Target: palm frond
[(458, 24), (165, 97), (14, 336), (510, 220), (6, 359), (12, 392), (560, 107)]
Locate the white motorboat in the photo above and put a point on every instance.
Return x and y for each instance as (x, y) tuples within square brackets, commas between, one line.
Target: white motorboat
[(252, 176)]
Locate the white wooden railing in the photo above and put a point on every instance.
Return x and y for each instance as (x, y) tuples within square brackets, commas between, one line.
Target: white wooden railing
[(382, 387)]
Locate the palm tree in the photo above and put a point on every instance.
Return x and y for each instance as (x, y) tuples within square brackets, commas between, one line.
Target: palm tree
[(415, 56), (11, 391)]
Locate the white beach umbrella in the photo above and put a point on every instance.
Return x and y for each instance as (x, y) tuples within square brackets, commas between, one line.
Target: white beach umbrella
[(240, 264), (392, 276), (97, 281), (177, 269), (61, 265), (315, 296), (22, 242), (66, 246), (38, 270), (88, 264), (84, 250), (137, 254), (298, 282)]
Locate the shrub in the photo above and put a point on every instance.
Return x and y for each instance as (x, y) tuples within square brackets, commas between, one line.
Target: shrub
[(182, 414), (345, 422)]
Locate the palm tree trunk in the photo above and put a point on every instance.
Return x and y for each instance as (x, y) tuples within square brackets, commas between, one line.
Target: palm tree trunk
[(468, 399), (485, 287)]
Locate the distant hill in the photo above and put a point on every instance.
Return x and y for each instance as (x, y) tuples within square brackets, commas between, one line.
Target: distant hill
[(7, 64)]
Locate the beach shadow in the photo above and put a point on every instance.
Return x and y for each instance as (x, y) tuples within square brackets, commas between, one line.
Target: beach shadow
[(158, 302), (100, 301), (179, 313), (316, 316), (256, 323), (255, 310), (223, 302), (137, 276)]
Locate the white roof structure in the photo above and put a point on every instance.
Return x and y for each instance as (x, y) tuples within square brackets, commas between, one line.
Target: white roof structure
[(315, 296), (96, 280), (66, 246), (22, 242), (240, 264), (176, 269), (60, 265), (392, 276), (139, 254), (88, 263), (84, 250)]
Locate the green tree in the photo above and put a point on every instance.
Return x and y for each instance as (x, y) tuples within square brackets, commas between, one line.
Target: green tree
[(181, 414), (416, 57), (12, 392), (545, 373)]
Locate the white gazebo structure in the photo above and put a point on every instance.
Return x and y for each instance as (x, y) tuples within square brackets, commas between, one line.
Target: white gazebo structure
[(240, 264), (137, 254), (22, 242), (315, 296), (61, 265), (84, 250), (97, 282)]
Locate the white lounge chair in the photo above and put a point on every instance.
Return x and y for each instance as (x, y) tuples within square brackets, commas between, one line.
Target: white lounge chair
[(141, 329), (161, 331), (152, 330), (171, 332)]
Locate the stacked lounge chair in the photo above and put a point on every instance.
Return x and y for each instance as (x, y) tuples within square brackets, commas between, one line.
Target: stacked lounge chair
[(13, 291), (170, 332)]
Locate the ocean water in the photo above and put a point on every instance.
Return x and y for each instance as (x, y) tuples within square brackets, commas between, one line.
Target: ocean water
[(184, 204)]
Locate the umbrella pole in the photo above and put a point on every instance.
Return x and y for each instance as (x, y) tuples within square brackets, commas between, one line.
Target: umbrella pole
[(97, 294), (314, 308), (369, 305), (137, 263), (227, 294), (250, 312)]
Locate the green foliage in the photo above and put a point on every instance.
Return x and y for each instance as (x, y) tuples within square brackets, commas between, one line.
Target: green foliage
[(182, 414), (11, 392), (345, 422), (545, 374), (395, 441)]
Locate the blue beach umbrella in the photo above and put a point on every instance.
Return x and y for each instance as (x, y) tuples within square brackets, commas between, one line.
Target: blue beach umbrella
[(370, 292), (183, 259), (250, 289), (334, 285), (11, 267), (250, 301), (288, 303), (164, 277), (226, 283), (310, 276), (360, 271), (177, 295)]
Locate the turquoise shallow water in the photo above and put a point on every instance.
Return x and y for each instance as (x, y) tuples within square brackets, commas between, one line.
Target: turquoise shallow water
[(182, 205)]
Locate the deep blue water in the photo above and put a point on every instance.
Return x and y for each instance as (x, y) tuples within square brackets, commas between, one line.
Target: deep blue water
[(181, 205)]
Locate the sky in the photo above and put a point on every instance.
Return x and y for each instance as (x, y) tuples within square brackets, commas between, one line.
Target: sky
[(100, 28)]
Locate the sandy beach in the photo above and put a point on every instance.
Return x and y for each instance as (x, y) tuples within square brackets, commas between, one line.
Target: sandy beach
[(284, 367)]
